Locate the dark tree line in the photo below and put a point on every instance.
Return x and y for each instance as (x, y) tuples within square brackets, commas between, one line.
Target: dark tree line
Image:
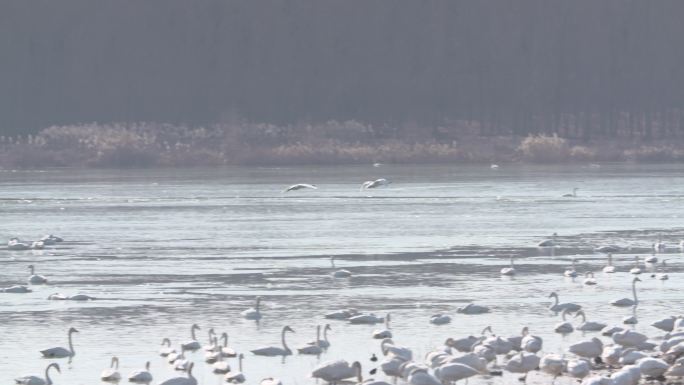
[(582, 68)]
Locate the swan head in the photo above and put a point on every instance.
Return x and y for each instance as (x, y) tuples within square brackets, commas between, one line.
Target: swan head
[(73, 330), (166, 341), (241, 356), (288, 329), (553, 295), (579, 313), (327, 327), (525, 331), (147, 366), (636, 279), (487, 329), (211, 331), (190, 368), (54, 365), (449, 342), (195, 327), (224, 335), (114, 363)]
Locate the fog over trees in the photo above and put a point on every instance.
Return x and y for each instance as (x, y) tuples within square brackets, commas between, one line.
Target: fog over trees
[(581, 68)]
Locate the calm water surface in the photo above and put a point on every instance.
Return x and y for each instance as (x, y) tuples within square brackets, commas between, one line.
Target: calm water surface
[(162, 249)]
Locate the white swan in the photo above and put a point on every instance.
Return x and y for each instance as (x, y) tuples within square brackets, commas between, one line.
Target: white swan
[(652, 367), (390, 349), (253, 313), (549, 242), (558, 307), (272, 351), (509, 270), (60, 352), (421, 377), (665, 324), (454, 371), (588, 348), (624, 302), (552, 364), (300, 186), (367, 319), (500, 345), (314, 349), (564, 327), (589, 278), (51, 239), (651, 259), (523, 363), (15, 244), (176, 357), (166, 348), (220, 366), (578, 368), (342, 273), (142, 376), (35, 380), (472, 308), (271, 381), (636, 269), (80, 297), (342, 314), (211, 347), (34, 279), (236, 377), (374, 183), (609, 268), (571, 195), (571, 272), (214, 354), (17, 289), (629, 338), (111, 374), (324, 343), (440, 319), (590, 326), (630, 320), (676, 370), (530, 343), (227, 351), (189, 380), (608, 249), (334, 371), (193, 344)]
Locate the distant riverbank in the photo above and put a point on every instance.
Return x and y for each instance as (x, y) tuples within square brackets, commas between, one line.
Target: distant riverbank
[(164, 145)]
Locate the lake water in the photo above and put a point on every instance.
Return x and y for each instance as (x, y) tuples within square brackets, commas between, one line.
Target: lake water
[(163, 249)]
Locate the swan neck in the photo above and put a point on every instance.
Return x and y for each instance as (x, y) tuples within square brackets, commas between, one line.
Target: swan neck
[(32, 270), (325, 334), (636, 300), (240, 363), (225, 340), (282, 338), (584, 318), (556, 300), (71, 344), (318, 335), (47, 375), (192, 334)]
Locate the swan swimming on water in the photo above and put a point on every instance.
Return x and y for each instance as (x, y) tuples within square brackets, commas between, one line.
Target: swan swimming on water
[(342, 273), (509, 270), (572, 195), (589, 278), (300, 186), (564, 327), (111, 374), (15, 244), (35, 380), (34, 279), (17, 289), (253, 313), (624, 302), (385, 333), (572, 272), (472, 308), (374, 183), (324, 343), (236, 377), (557, 307), (590, 326), (142, 376), (314, 349), (189, 380), (193, 344), (272, 351), (335, 371), (609, 268), (636, 269), (60, 352), (225, 350), (549, 242), (166, 348)]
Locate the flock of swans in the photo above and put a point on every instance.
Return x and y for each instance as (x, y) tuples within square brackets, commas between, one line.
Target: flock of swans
[(622, 357)]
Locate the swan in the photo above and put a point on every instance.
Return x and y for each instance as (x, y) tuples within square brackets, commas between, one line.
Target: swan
[(272, 351), (111, 374), (57, 297), (391, 366), (181, 363), (523, 363), (384, 333), (51, 239), (629, 338), (571, 272), (624, 302), (484, 351), (494, 166), (564, 327), (220, 366), (342, 314), (34, 279), (225, 350), (324, 343), (389, 348), (454, 371), (500, 345), (609, 268), (665, 324), (374, 183), (626, 376), (174, 357), (211, 347), (15, 244), (80, 297), (440, 319), (368, 319), (300, 186), (636, 269), (548, 242), (598, 380), (611, 354), (589, 278), (214, 354), (253, 313), (530, 343), (314, 349), (552, 364), (334, 371), (660, 246), (193, 344), (571, 195), (588, 348), (342, 273), (630, 356), (509, 270), (464, 344), (189, 380), (652, 367), (578, 368), (37, 245), (612, 330), (471, 308), (142, 376), (588, 326), (676, 370), (236, 377), (651, 259), (608, 249), (17, 289), (60, 352), (630, 320), (421, 377), (166, 348), (558, 307), (271, 381), (35, 380)]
